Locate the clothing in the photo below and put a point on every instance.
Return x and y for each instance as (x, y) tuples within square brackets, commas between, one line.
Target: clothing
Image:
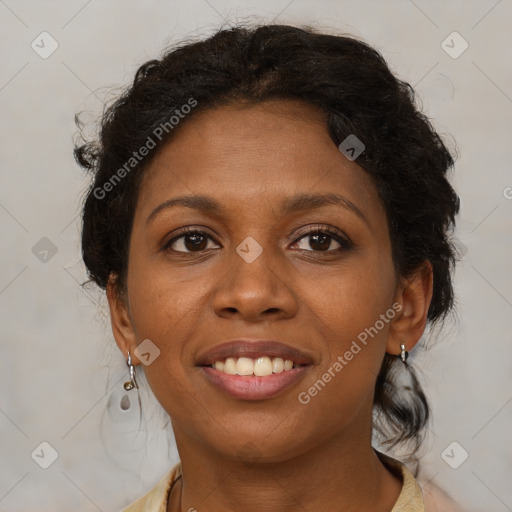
[(410, 499), (156, 499)]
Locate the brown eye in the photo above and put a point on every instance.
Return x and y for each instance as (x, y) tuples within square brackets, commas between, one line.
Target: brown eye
[(193, 241), (319, 242), (323, 239)]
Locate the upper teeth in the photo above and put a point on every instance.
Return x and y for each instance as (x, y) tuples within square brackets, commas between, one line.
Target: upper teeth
[(259, 367)]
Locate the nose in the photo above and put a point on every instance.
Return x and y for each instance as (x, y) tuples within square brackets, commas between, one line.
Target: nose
[(255, 291)]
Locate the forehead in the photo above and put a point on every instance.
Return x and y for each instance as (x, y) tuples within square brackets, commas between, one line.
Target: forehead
[(247, 154)]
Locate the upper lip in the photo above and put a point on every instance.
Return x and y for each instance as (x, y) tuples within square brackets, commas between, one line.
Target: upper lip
[(253, 349)]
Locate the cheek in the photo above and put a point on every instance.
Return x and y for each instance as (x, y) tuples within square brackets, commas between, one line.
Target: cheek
[(352, 310), (340, 391), (166, 307), (164, 310), (161, 297), (352, 298)]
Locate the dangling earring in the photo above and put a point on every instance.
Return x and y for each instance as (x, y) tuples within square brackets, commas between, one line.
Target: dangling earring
[(132, 383), (403, 354)]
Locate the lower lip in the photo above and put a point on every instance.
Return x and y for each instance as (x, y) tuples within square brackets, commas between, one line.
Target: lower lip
[(255, 388)]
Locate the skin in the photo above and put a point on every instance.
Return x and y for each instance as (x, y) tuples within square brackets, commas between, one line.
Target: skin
[(272, 455)]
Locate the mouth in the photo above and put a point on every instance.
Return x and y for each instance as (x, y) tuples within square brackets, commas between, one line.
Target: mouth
[(254, 370), (261, 367)]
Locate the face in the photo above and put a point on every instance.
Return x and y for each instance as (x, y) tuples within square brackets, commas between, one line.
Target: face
[(287, 241)]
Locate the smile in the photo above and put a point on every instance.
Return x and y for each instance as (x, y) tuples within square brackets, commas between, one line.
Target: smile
[(249, 369), (260, 367)]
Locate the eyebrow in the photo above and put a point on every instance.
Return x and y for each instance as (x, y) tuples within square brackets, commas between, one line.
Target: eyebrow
[(298, 203)]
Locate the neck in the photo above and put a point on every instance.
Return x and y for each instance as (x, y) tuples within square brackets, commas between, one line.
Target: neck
[(335, 476)]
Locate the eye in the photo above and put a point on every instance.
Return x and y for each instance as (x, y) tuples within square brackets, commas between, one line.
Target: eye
[(190, 240), (318, 239), (322, 240)]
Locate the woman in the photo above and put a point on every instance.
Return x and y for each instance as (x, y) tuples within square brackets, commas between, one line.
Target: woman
[(270, 219)]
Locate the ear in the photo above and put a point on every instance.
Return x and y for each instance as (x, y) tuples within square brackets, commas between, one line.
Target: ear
[(120, 319), (414, 295)]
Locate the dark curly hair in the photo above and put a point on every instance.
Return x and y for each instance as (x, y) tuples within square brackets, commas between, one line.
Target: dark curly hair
[(351, 83)]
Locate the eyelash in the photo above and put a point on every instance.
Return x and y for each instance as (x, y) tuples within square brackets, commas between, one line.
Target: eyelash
[(345, 242)]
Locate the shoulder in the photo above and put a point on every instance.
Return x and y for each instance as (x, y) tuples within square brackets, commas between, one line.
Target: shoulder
[(418, 495), (156, 499)]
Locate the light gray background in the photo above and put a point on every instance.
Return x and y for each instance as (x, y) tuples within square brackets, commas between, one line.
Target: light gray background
[(61, 374)]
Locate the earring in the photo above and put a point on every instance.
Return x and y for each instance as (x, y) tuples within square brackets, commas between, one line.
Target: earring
[(132, 383), (403, 354)]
